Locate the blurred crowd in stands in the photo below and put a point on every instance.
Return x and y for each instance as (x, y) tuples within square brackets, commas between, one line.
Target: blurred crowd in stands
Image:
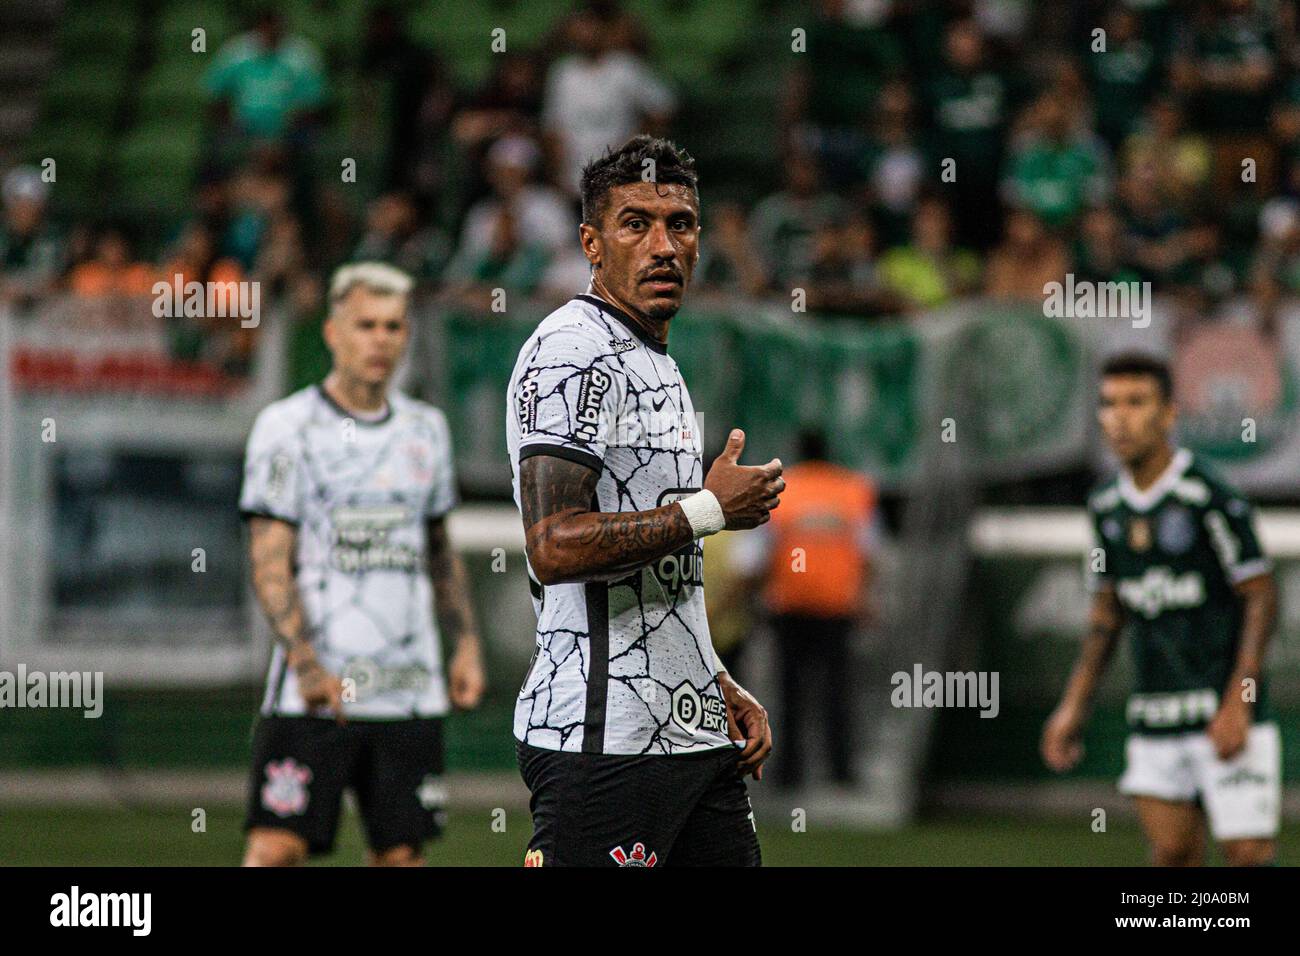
[(926, 151)]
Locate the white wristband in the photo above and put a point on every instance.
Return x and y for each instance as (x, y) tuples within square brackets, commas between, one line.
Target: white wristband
[(704, 513)]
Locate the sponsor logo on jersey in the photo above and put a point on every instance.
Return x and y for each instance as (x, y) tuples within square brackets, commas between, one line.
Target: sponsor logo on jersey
[(1139, 534), (526, 401), (361, 540), (684, 566), (621, 345), (661, 427), (637, 857), (680, 569), (1175, 531), (1160, 590), (692, 710), (592, 387), (533, 858), (285, 791), (1173, 710), (368, 678)]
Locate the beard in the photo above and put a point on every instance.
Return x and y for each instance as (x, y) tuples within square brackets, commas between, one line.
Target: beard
[(662, 313)]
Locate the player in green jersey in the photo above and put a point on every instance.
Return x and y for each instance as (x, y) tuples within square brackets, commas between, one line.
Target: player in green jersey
[(1176, 560)]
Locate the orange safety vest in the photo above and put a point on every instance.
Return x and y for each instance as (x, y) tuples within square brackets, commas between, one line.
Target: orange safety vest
[(816, 564)]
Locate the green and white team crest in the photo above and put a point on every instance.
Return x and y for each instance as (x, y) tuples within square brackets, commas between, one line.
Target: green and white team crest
[(1237, 396), (1021, 370)]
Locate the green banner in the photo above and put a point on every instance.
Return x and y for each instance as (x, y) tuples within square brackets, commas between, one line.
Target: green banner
[(860, 385)]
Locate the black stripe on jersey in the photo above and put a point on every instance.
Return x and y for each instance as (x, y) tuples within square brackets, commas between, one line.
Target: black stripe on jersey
[(624, 319), (593, 728), (587, 458), (279, 684)]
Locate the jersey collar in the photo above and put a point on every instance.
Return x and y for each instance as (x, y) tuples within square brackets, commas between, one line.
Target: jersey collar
[(1145, 500), (615, 312), (343, 412)]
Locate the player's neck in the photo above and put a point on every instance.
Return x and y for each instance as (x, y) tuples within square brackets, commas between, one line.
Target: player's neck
[(657, 330), (1146, 472), (356, 396)]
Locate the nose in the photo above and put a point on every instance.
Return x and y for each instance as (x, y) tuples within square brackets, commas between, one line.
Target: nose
[(661, 244)]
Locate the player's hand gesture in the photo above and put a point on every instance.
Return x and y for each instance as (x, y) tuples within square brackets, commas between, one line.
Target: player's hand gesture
[(466, 681), (1062, 746), (747, 493), (747, 719), (319, 688), (1230, 727)]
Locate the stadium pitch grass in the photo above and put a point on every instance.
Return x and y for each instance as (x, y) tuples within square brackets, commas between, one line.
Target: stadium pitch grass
[(161, 836)]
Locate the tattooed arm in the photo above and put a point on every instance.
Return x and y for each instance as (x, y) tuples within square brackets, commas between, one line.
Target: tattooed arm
[(455, 616), (567, 541), (272, 546), (1061, 747)]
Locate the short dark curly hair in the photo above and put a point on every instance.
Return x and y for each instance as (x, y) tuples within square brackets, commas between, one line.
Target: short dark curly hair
[(1141, 363), (625, 165)]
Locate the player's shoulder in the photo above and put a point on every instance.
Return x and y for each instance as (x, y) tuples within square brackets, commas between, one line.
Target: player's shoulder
[(420, 411), (285, 416), (582, 328), (1105, 495), (1201, 484)]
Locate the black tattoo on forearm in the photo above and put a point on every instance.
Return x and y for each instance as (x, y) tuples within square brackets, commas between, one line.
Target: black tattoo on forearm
[(568, 541), (271, 553), (451, 592)]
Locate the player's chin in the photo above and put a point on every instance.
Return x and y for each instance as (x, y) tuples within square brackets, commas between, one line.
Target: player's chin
[(663, 306)]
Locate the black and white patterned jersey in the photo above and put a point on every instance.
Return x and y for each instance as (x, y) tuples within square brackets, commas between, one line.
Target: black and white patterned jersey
[(625, 667), (360, 493)]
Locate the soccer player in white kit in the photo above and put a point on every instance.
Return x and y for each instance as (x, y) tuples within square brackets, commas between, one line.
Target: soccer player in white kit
[(632, 739), (347, 487)]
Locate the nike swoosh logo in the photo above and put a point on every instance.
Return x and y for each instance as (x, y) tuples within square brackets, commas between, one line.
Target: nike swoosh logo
[(659, 404)]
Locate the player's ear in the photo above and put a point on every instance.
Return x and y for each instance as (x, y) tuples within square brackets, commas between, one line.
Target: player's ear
[(1170, 414), (591, 245)]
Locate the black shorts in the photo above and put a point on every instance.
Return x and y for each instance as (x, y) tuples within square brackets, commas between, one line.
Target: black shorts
[(301, 766), (638, 810)]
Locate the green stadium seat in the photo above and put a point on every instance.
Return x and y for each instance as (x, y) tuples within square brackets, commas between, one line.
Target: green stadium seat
[(173, 89), (334, 26), (175, 33), (78, 151), (83, 96), (86, 29), (153, 168)]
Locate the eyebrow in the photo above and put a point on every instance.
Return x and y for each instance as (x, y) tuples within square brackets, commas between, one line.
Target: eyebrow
[(646, 213)]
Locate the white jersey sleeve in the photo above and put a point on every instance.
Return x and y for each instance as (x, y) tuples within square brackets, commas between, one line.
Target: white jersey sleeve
[(273, 468), (443, 496), (567, 394)]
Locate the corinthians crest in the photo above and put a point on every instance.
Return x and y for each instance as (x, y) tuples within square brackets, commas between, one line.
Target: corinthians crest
[(637, 858), (285, 790)]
